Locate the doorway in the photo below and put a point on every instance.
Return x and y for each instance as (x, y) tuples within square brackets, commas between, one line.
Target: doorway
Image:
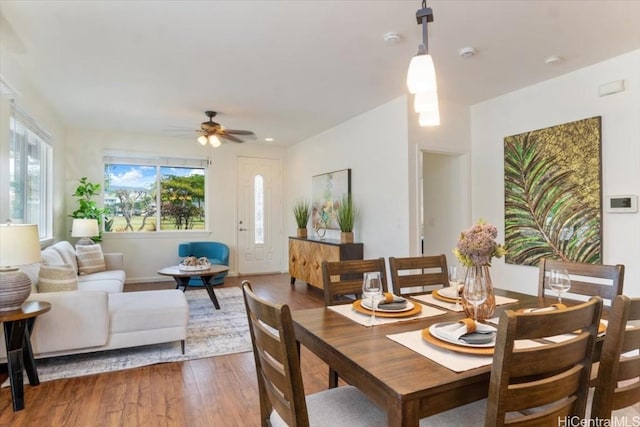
[(445, 202), (259, 228)]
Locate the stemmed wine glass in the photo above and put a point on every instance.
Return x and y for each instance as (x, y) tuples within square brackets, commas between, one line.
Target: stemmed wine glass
[(372, 288), (456, 282), (475, 290), (559, 281)]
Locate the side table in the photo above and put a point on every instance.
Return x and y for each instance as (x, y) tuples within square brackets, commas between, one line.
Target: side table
[(18, 325)]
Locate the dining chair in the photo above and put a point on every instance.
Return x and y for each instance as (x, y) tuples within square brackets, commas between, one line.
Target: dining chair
[(418, 275), (342, 280), (605, 281), (619, 387), (280, 386), (535, 381)]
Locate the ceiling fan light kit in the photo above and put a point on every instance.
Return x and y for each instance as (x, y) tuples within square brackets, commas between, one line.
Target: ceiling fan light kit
[(212, 132), (421, 76)]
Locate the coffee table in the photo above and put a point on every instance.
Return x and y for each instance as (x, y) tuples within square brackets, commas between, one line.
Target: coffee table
[(182, 278), (18, 325)]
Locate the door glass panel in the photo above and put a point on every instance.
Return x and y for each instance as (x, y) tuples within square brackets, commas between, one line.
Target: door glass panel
[(258, 222)]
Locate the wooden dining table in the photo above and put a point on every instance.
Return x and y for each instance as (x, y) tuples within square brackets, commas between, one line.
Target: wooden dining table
[(406, 384)]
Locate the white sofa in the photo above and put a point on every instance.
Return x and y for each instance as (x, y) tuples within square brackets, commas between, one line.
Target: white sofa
[(99, 316)]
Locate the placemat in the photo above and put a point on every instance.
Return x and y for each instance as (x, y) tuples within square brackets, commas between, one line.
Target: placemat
[(455, 361), (364, 319), (429, 299)]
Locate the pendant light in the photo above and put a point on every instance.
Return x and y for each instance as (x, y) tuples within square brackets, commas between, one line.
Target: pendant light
[(421, 76)]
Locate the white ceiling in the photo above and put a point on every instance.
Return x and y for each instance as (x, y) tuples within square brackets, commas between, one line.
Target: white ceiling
[(290, 69)]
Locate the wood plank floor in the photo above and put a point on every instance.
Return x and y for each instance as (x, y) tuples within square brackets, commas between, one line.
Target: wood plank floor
[(218, 391)]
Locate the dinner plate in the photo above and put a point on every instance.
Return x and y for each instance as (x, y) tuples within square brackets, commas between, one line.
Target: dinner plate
[(448, 292), (417, 309), (437, 295), (367, 304), (433, 329)]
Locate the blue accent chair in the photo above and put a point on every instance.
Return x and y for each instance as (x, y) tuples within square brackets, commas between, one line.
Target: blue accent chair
[(216, 252)]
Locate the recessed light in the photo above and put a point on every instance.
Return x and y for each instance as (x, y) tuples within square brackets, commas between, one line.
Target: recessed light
[(467, 52), (553, 59), (391, 37), (268, 139)]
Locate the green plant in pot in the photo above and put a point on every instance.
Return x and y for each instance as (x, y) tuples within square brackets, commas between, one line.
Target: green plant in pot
[(301, 212), (346, 216), (87, 207)]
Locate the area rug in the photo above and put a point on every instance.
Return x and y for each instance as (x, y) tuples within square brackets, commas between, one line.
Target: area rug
[(210, 333)]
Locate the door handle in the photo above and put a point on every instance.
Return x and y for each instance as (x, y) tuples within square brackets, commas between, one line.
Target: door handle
[(242, 229)]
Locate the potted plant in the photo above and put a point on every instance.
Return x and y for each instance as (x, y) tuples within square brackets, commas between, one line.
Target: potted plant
[(346, 216), (87, 207), (301, 212)]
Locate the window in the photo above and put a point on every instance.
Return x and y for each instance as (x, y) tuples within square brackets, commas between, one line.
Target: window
[(30, 160), (258, 210), (146, 195)]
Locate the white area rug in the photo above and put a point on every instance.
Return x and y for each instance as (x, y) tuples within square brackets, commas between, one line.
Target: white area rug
[(210, 333)]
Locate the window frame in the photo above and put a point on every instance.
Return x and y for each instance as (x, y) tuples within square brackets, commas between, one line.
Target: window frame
[(141, 160)]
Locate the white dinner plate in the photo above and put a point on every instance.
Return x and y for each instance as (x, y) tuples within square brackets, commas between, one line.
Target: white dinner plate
[(366, 303), (433, 329), (448, 292)]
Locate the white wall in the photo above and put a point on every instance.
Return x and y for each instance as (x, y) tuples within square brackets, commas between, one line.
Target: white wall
[(374, 146), (565, 99), (146, 253)]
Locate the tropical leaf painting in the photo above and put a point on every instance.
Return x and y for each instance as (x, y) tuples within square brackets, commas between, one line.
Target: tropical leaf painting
[(553, 198)]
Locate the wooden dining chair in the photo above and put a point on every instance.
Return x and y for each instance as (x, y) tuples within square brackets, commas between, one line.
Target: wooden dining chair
[(605, 281), (277, 359), (342, 280), (418, 275), (535, 382), (619, 387)]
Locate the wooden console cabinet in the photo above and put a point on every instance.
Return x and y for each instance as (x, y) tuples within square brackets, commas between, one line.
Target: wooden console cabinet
[(306, 256)]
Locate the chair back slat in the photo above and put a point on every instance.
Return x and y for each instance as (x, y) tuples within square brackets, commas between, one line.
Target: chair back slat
[(622, 336), (605, 281), (277, 360), (413, 275), (545, 381), (342, 280)]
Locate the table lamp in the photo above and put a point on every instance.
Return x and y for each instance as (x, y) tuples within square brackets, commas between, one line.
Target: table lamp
[(85, 229), (19, 245)]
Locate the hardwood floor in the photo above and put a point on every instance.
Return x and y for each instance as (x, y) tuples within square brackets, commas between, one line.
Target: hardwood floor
[(218, 391)]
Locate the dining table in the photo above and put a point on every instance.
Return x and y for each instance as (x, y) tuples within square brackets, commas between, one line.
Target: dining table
[(408, 385)]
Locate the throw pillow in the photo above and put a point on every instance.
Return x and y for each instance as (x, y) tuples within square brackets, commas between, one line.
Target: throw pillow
[(90, 259), (56, 278)]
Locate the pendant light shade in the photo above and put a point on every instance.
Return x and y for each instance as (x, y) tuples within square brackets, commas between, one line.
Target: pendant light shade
[(203, 140), (425, 102), (429, 118), (421, 76)]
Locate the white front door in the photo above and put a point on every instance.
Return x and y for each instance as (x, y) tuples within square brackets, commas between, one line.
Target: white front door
[(259, 215)]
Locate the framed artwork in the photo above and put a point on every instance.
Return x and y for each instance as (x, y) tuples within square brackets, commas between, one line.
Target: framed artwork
[(328, 190), (553, 194)]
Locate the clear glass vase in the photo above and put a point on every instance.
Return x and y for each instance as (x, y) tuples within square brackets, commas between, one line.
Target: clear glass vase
[(488, 307)]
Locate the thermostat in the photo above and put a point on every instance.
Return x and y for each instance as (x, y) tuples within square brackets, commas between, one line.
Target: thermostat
[(622, 204)]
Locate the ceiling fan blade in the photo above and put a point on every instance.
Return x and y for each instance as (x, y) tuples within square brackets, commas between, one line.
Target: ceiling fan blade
[(239, 132), (229, 137)]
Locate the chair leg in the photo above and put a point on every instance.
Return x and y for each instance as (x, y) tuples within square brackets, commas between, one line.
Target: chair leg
[(182, 345), (333, 378)]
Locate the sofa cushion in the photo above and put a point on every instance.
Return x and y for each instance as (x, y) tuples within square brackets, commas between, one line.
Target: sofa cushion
[(67, 253), (51, 257), (147, 310), (90, 259), (57, 278)]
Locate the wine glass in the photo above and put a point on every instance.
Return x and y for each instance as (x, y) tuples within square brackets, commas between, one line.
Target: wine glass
[(559, 281), (475, 290), (372, 288), (456, 282)]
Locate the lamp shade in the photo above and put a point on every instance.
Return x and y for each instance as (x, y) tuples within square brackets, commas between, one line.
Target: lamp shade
[(214, 141), (19, 244), (425, 102), (85, 228), (202, 140), (421, 76)]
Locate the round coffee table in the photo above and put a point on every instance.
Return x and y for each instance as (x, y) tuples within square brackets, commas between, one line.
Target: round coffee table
[(182, 278)]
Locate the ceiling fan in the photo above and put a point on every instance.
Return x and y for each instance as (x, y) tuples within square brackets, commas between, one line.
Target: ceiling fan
[(211, 132)]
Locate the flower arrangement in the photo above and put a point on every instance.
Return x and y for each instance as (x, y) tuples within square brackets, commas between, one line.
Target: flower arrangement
[(477, 245)]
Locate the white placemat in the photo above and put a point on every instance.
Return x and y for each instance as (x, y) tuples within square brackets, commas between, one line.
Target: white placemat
[(457, 362), (365, 319), (429, 299)]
